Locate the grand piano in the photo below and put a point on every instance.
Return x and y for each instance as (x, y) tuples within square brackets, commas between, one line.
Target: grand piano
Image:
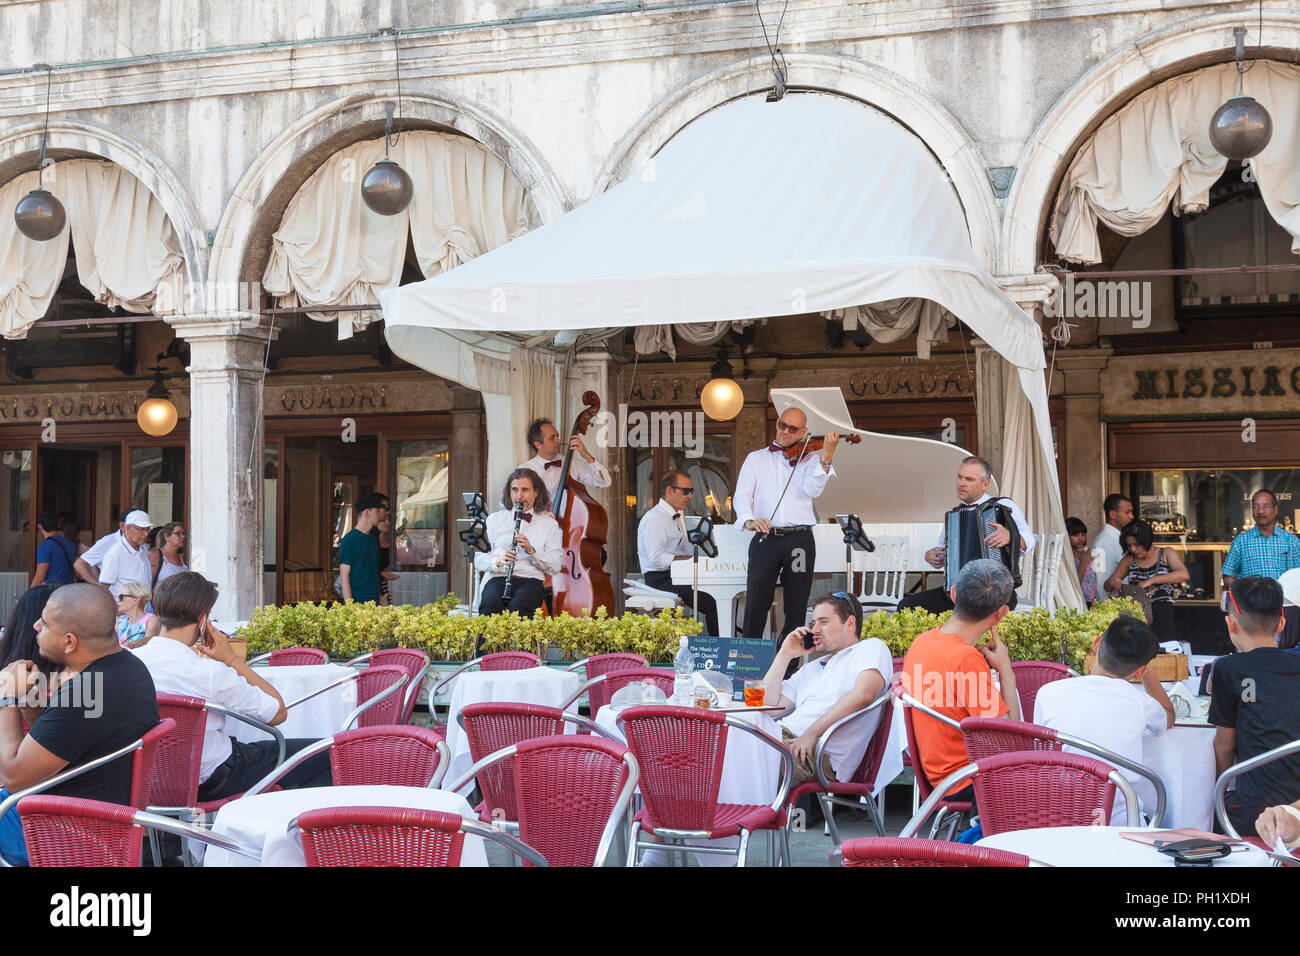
[(897, 486)]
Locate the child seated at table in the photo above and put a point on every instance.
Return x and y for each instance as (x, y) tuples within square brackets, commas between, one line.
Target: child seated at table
[(1107, 708)]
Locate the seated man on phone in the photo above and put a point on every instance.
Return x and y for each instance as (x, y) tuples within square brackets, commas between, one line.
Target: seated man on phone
[(184, 602), (850, 676)]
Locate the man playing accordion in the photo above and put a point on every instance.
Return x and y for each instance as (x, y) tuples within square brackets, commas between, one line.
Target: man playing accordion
[(973, 479)]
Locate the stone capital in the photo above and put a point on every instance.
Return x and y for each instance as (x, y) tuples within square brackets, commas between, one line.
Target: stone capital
[(1030, 292)]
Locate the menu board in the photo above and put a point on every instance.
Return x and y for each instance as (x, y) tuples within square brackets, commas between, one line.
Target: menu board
[(738, 658)]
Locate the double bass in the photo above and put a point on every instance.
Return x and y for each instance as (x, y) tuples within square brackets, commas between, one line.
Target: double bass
[(584, 525)]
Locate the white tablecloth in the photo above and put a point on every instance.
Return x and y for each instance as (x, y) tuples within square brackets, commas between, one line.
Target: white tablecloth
[(1099, 846), (318, 717), (263, 820), (1184, 758), (750, 771), (548, 686)]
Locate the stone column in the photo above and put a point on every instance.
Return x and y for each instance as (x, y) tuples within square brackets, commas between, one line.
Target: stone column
[(227, 373), (1085, 436), (467, 474), (991, 372)]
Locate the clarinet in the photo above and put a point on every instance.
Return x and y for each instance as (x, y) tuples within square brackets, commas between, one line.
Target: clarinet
[(519, 517)]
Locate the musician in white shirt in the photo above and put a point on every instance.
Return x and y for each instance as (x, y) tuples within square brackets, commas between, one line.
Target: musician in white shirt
[(661, 540), (535, 551), (544, 439), (774, 497), (973, 479)]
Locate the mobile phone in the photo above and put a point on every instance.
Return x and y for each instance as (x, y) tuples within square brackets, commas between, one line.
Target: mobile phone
[(807, 640)]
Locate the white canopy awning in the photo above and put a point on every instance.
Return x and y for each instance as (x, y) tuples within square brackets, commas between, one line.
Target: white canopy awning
[(755, 210)]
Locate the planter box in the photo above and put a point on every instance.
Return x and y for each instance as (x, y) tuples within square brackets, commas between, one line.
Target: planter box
[(1167, 667)]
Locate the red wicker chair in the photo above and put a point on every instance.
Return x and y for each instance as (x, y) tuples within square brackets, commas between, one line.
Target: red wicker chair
[(861, 785), (571, 794), (1027, 790), (501, 661), (990, 736), (892, 851), (949, 810), (491, 727), (380, 702), (69, 831), (1030, 677), (293, 657), (680, 753), (611, 682), (414, 662), (393, 756), (598, 664), (387, 836)]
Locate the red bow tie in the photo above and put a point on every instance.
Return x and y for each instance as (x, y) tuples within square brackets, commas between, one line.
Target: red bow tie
[(774, 447), (553, 464), (527, 517)]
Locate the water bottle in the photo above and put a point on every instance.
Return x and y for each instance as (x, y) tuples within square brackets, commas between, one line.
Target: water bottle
[(684, 682)]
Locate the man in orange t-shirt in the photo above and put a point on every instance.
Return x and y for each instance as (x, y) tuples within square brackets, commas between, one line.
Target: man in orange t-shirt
[(949, 671)]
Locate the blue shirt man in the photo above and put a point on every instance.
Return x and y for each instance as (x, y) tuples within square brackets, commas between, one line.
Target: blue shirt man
[(1265, 550), (55, 555)]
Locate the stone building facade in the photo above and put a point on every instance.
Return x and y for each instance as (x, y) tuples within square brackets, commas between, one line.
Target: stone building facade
[(225, 116)]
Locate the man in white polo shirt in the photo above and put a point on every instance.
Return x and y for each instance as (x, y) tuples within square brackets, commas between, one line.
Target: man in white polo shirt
[(87, 565), (822, 691), (128, 559)]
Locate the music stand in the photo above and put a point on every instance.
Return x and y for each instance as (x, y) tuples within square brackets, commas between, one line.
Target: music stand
[(473, 534), (854, 539), (700, 535), (474, 504)]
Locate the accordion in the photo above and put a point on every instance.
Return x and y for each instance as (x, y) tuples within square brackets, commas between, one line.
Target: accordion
[(965, 530)]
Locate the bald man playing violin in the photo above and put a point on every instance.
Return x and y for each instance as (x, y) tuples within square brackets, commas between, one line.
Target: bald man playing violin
[(774, 498)]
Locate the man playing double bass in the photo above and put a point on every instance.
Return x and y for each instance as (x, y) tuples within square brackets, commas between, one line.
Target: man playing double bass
[(544, 439), (774, 498)]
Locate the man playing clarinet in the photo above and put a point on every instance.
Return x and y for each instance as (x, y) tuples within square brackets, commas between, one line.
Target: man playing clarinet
[(526, 546), (774, 498)]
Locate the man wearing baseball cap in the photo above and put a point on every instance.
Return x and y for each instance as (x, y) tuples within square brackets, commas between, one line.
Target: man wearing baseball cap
[(128, 558), (87, 565)]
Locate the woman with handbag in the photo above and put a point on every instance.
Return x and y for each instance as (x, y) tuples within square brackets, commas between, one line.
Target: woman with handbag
[(1155, 570)]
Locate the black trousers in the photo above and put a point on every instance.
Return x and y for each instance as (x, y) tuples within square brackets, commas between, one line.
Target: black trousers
[(791, 558), (249, 763), (936, 600), (525, 596), (663, 580)]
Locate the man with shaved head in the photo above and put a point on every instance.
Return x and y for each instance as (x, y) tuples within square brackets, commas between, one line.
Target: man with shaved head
[(106, 701), (774, 498)]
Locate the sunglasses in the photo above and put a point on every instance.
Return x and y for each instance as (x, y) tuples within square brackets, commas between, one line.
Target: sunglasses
[(685, 491), (784, 427)]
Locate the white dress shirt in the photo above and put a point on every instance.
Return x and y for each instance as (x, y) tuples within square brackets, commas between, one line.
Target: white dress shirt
[(1111, 713), (1022, 523), (94, 556), (818, 685), (1108, 541), (542, 532), (123, 563), (176, 669), (660, 538), (591, 474), (763, 476)]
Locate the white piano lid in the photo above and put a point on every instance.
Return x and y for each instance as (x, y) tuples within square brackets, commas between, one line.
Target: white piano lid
[(886, 478)]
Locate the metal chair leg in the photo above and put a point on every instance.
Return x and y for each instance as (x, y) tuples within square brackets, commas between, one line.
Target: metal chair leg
[(877, 815), (785, 846), (938, 819), (743, 850), (632, 844), (828, 811)]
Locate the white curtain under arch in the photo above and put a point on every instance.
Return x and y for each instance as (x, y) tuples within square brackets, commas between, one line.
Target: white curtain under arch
[(127, 252), (1156, 151), (330, 249)]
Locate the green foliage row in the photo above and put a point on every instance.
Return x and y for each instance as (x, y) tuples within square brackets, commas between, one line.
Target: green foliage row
[(1035, 635), (348, 630)]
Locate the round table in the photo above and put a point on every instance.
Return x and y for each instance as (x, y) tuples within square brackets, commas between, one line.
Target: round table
[(1100, 846), (262, 821), (547, 686), (319, 717), (750, 772)]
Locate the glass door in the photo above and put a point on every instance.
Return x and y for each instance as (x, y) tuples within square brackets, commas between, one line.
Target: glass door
[(18, 524)]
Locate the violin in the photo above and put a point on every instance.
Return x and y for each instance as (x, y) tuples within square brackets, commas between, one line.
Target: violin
[(584, 524), (796, 451)]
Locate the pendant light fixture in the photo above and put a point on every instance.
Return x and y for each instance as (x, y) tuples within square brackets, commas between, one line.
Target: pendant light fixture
[(39, 215), (157, 415), (386, 188), (1241, 127), (721, 397)]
